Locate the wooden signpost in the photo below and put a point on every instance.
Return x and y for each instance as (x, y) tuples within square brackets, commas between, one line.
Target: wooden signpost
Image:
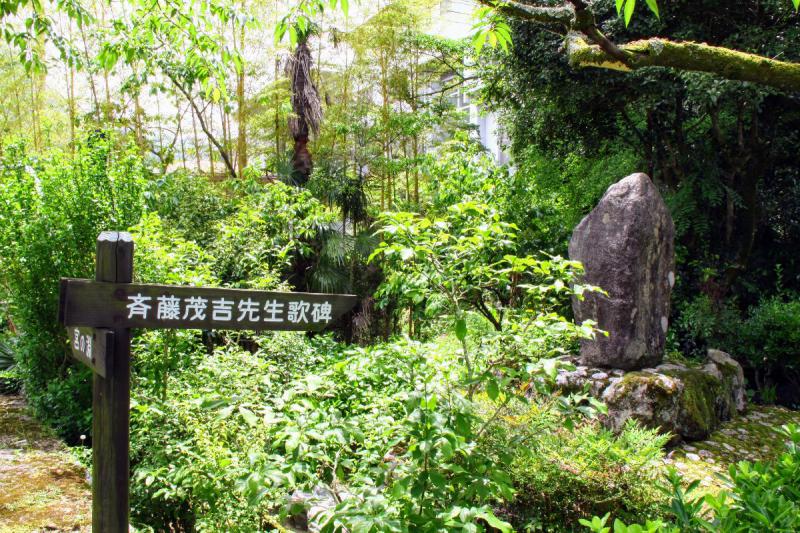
[(99, 316)]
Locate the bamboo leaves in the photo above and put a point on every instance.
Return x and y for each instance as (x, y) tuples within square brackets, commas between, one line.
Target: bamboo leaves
[(626, 7)]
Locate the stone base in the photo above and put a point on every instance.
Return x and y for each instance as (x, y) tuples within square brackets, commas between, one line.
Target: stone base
[(688, 402)]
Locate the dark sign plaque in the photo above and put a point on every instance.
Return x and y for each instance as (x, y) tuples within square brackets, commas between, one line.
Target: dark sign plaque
[(90, 346), (130, 305)]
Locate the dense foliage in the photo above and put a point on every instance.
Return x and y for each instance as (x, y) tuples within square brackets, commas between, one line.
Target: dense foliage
[(432, 406), (228, 428), (722, 152), (759, 497), (51, 210)]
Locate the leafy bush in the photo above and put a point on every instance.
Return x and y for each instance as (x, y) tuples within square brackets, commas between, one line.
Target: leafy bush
[(191, 444), (52, 209), (765, 341), (401, 426), (547, 197), (191, 204), (382, 423), (163, 256), (544, 198), (770, 340), (465, 260), (703, 324), (271, 230), (561, 477)]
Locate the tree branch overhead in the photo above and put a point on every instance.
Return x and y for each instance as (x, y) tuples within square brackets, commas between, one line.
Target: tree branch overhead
[(586, 46)]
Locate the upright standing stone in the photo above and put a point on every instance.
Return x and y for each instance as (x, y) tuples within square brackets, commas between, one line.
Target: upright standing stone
[(626, 247)]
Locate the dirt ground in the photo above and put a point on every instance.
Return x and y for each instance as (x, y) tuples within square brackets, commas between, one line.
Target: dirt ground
[(42, 487)]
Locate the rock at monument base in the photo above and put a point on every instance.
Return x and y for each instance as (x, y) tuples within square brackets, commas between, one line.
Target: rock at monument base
[(688, 402), (312, 507), (626, 245)]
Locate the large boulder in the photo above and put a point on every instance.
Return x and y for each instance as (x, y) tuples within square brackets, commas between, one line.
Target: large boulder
[(688, 402), (627, 249)]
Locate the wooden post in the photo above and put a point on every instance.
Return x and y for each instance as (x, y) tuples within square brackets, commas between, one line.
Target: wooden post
[(111, 401)]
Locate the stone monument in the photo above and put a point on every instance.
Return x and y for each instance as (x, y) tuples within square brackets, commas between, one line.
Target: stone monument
[(626, 245)]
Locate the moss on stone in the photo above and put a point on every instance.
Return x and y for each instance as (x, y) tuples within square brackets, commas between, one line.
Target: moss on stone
[(700, 391)]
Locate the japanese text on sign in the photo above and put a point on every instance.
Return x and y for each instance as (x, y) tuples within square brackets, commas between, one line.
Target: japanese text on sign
[(82, 343), (245, 310)]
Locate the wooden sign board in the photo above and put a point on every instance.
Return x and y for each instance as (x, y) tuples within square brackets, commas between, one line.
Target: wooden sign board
[(129, 305), (91, 347), (112, 301)]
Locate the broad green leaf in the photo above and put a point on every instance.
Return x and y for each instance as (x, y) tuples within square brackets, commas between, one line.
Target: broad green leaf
[(653, 5), (249, 416), (492, 390), (620, 3), (461, 329), (629, 7), (550, 368), (496, 523), (796, 4), (478, 40)]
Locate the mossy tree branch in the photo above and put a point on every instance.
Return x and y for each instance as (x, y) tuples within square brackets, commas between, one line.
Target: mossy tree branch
[(586, 46), (554, 15), (688, 56)]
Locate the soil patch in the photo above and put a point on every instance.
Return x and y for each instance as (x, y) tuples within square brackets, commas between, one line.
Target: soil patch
[(42, 487)]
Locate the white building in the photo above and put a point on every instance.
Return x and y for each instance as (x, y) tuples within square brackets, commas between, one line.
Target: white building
[(453, 20)]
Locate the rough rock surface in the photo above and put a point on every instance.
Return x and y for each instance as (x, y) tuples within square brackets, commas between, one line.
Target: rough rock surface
[(626, 245), (689, 402), (312, 508)]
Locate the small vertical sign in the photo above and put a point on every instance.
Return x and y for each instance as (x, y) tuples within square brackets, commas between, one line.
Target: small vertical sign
[(90, 346)]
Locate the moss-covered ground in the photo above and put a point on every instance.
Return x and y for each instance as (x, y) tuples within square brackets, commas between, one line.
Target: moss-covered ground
[(42, 487), (749, 437)]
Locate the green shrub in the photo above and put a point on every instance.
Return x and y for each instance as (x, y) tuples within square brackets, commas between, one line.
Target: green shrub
[(193, 440), (272, 231), (163, 256), (193, 205), (766, 341), (770, 341), (563, 476), (546, 198), (52, 209), (703, 324)]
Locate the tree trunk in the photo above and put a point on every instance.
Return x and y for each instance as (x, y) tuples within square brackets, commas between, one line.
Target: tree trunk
[(207, 129), (241, 138), (576, 18)]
